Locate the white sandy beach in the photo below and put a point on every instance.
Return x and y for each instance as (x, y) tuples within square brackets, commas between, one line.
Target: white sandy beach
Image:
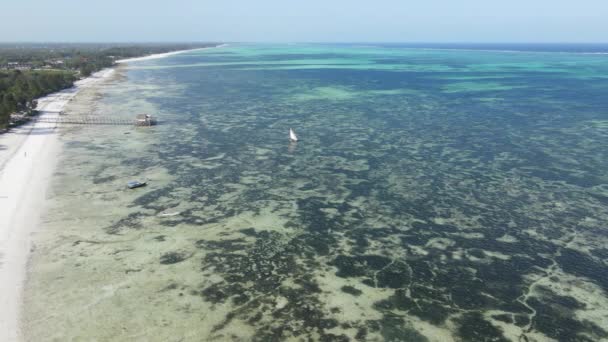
[(163, 55), (28, 156), (154, 56)]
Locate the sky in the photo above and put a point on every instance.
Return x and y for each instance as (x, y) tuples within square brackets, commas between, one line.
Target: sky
[(304, 21)]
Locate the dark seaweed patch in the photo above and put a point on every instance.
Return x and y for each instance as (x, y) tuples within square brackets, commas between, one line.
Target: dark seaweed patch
[(601, 253), (478, 253), (521, 320), (173, 258), (565, 302), (100, 180), (348, 267), (470, 296), (361, 334), (427, 310), (248, 232), (132, 221), (504, 318), (431, 311), (360, 265), (395, 275), (229, 244), (555, 318), (473, 327), (394, 329), (558, 323), (580, 264), (351, 290), (264, 264)]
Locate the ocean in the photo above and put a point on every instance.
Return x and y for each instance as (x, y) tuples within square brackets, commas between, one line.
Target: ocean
[(436, 193)]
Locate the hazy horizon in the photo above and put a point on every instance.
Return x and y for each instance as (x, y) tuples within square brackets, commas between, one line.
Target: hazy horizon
[(386, 21), (301, 42)]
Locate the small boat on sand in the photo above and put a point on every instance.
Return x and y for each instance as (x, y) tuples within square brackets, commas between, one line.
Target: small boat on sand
[(135, 184), (170, 214), (292, 136)]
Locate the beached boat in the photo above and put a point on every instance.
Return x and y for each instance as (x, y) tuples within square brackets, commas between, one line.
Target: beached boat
[(292, 136), (136, 184)]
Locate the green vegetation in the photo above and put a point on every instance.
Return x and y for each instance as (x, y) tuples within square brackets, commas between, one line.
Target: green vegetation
[(29, 71), (19, 89)]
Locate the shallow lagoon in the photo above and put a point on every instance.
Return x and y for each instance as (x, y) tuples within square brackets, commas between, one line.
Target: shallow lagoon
[(434, 195)]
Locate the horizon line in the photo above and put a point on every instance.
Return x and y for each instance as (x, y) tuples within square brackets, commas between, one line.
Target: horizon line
[(296, 42)]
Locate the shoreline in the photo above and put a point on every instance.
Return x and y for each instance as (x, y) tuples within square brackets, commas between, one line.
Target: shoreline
[(28, 158), (165, 54), (117, 64)]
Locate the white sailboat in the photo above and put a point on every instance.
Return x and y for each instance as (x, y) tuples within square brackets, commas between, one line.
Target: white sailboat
[(292, 136)]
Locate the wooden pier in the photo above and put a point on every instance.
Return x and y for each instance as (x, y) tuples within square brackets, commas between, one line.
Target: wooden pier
[(94, 120)]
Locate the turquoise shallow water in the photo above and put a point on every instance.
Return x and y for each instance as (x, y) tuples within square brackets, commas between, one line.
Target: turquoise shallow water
[(433, 195)]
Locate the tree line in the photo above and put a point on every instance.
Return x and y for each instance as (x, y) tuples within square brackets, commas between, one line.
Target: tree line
[(19, 89)]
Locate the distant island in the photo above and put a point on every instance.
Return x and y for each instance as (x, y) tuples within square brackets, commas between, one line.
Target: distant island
[(32, 70)]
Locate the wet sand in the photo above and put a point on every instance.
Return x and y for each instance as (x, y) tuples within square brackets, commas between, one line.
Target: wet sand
[(27, 161)]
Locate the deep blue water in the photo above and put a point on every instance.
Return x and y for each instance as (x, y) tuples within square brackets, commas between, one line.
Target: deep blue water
[(516, 47)]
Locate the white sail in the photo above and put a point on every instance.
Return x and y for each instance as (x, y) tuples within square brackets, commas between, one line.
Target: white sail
[(292, 135)]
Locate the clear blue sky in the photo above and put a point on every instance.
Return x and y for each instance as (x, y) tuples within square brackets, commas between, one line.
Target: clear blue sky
[(307, 20)]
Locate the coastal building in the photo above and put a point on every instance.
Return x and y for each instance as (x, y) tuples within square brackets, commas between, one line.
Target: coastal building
[(145, 120), (17, 66)]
